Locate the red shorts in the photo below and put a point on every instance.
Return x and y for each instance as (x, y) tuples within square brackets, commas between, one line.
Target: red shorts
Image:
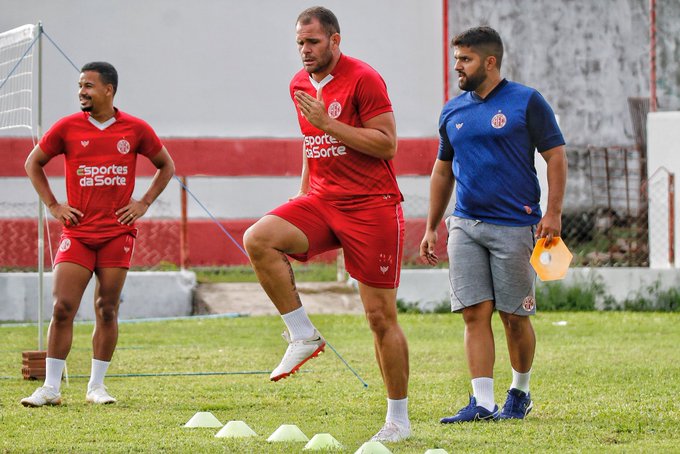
[(372, 238), (110, 253)]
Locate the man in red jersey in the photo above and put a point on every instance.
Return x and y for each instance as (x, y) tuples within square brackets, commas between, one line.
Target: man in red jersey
[(348, 199), (100, 147)]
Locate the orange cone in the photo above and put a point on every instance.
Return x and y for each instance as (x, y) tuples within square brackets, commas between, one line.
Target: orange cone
[(551, 263)]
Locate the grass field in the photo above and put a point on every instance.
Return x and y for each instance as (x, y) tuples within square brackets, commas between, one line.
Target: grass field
[(605, 382)]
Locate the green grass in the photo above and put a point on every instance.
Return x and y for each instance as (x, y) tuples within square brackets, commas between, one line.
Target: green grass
[(311, 272), (605, 382)]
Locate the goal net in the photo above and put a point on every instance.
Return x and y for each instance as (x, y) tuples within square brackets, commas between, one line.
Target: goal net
[(16, 77)]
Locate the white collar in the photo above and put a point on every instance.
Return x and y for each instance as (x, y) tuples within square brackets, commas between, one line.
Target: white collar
[(104, 125), (323, 82)]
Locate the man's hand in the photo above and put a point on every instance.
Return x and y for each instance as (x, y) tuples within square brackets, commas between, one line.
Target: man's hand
[(132, 211), (549, 228), (427, 248), (65, 214), (313, 109)]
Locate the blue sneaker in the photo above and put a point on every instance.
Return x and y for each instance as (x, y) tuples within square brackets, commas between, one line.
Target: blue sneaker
[(517, 405), (472, 412)]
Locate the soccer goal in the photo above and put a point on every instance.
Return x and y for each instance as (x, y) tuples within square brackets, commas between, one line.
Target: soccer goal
[(18, 49)]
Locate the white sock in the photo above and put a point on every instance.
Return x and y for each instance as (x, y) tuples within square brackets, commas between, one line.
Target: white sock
[(521, 380), (482, 389), (298, 323), (97, 373), (54, 369), (397, 412)]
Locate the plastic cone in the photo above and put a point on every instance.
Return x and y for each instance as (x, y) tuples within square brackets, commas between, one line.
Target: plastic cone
[(235, 429), (288, 432), (436, 451), (373, 447), (323, 441), (551, 263), (203, 419)]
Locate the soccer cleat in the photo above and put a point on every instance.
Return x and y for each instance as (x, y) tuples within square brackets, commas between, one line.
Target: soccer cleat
[(298, 352), (517, 405), (98, 394), (472, 412), (392, 432), (45, 395)]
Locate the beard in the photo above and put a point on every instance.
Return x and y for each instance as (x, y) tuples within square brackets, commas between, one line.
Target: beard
[(473, 81), (87, 108), (322, 62)]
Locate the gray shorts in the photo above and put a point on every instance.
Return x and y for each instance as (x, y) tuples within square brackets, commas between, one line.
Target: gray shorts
[(491, 262)]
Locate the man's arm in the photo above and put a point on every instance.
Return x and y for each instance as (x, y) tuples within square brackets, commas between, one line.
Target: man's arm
[(304, 177), (137, 208), (441, 188), (377, 138), (34, 166), (551, 224)]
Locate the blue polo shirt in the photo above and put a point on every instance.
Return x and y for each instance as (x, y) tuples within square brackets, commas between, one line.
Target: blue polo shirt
[(491, 144)]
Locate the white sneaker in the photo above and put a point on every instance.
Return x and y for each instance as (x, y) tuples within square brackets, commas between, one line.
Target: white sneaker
[(98, 394), (298, 353), (392, 432), (45, 395)]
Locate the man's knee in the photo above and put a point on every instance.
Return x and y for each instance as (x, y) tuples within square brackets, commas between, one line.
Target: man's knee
[(379, 321), (64, 310), (106, 309), (479, 314), (515, 324)]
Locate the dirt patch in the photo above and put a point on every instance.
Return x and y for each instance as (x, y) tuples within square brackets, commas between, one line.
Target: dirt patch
[(249, 299)]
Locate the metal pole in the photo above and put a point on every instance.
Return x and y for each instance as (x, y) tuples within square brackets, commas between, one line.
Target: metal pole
[(41, 207), (183, 239), (445, 36), (671, 219), (652, 55)]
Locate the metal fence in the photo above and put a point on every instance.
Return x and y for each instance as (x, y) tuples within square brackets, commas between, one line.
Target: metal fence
[(615, 216)]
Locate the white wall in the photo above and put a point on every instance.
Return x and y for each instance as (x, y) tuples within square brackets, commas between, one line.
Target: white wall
[(663, 149), (221, 68)]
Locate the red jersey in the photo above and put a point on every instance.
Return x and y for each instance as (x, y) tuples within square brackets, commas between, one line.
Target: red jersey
[(355, 93), (99, 164)]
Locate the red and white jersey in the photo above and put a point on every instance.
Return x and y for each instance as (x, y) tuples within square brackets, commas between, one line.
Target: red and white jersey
[(99, 165), (353, 93)]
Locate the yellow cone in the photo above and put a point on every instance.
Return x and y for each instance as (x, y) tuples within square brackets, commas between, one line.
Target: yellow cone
[(288, 432), (373, 447), (322, 442), (203, 419), (235, 429)]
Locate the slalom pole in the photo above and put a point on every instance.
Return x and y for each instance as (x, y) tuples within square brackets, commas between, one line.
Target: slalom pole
[(246, 254), (347, 364)]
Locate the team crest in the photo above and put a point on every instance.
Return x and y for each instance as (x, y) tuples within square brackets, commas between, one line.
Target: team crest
[(499, 120), (65, 245), (384, 262), (123, 146), (334, 109), (529, 303), (84, 143)]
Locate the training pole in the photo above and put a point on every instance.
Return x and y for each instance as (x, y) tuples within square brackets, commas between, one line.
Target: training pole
[(652, 55), (41, 207)]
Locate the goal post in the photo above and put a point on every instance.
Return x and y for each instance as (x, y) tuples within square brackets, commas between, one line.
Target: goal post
[(17, 50)]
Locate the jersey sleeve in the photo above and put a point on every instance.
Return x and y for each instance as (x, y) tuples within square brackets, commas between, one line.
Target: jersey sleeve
[(372, 96), (445, 152), (542, 124), (149, 143), (52, 142)]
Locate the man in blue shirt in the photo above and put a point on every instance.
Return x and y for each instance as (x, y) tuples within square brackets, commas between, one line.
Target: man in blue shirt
[(488, 138)]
